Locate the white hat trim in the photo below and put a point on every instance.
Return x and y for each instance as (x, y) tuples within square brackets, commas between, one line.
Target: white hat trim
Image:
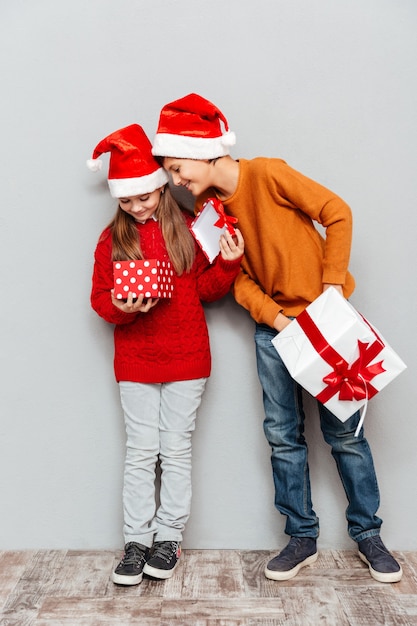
[(183, 147), (126, 187)]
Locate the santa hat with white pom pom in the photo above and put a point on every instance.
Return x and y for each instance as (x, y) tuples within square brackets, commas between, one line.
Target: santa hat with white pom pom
[(192, 128), (132, 170)]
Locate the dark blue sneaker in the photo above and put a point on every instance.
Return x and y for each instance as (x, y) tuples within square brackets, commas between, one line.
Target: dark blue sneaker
[(163, 560), (382, 565), (299, 552), (130, 569)]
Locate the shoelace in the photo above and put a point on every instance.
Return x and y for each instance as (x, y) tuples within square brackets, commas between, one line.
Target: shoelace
[(165, 549), (133, 555)]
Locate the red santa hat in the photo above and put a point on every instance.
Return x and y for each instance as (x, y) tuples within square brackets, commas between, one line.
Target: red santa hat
[(192, 128), (133, 170)]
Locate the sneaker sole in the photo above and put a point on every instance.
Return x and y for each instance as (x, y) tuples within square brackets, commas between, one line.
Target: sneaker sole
[(382, 577), (275, 575), (119, 579), (163, 574)]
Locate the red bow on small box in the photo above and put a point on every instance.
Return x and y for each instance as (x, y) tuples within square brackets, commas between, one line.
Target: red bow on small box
[(351, 381), (224, 219)]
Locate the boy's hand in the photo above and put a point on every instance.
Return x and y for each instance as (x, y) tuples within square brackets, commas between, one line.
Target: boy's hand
[(339, 288), (141, 305), (281, 321), (231, 248)]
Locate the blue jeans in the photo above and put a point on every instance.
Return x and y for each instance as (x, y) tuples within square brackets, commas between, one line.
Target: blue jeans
[(284, 430)]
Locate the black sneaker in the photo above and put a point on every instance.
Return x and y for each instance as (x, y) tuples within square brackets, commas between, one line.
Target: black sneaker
[(164, 559), (299, 552), (382, 565), (130, 569)]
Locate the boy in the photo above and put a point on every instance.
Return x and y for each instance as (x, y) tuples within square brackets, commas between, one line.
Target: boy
[(287, 264)]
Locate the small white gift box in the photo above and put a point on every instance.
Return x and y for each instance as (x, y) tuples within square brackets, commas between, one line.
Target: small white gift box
[(209, 225), (336, 355)]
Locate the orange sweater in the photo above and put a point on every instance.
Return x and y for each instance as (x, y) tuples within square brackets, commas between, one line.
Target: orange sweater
[(286, 259)]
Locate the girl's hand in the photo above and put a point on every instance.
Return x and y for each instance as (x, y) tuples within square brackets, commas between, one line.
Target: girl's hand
[(142, 305), (231, 248)]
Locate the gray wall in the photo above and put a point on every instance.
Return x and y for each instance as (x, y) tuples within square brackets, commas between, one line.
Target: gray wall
[(329, 86)]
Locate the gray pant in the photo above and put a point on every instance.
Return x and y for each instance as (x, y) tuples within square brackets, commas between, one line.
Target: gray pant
[(159, 419)]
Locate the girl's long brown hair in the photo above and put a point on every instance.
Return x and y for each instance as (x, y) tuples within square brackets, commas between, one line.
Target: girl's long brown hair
[(178, 239)]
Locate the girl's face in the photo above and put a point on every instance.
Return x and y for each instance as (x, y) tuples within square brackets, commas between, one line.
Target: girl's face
[(141, 207), (192, 174)]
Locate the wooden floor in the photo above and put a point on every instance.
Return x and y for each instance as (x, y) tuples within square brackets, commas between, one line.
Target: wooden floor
[(209, 588)]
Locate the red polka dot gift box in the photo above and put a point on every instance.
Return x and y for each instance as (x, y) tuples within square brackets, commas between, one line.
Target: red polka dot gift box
[(151, 278)]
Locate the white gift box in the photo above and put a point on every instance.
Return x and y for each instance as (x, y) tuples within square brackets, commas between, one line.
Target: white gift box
[(336, 355), (210, 223)]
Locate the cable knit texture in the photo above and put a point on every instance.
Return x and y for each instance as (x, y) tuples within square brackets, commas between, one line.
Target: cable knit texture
[(170, 342)]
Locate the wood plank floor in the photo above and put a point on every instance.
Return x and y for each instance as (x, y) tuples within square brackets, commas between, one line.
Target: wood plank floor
[(209, 588)]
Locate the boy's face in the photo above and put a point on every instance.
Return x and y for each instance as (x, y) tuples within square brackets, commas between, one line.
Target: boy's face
[(194, 175)]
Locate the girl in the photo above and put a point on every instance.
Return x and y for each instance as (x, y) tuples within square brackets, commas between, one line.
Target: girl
[(162, 353)]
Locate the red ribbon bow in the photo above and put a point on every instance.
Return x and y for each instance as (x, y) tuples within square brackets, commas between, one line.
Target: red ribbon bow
[(224, 219), (351, 381)]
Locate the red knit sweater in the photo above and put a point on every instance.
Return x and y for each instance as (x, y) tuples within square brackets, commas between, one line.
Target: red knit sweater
[(170, 342)]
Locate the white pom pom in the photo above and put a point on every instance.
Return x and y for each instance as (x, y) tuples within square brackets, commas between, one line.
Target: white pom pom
[(94, 165), (229, 138)]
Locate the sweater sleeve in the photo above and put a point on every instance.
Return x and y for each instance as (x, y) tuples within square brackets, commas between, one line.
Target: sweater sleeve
[(214, 281), (250, 295), (325, 207), (102, 284)]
